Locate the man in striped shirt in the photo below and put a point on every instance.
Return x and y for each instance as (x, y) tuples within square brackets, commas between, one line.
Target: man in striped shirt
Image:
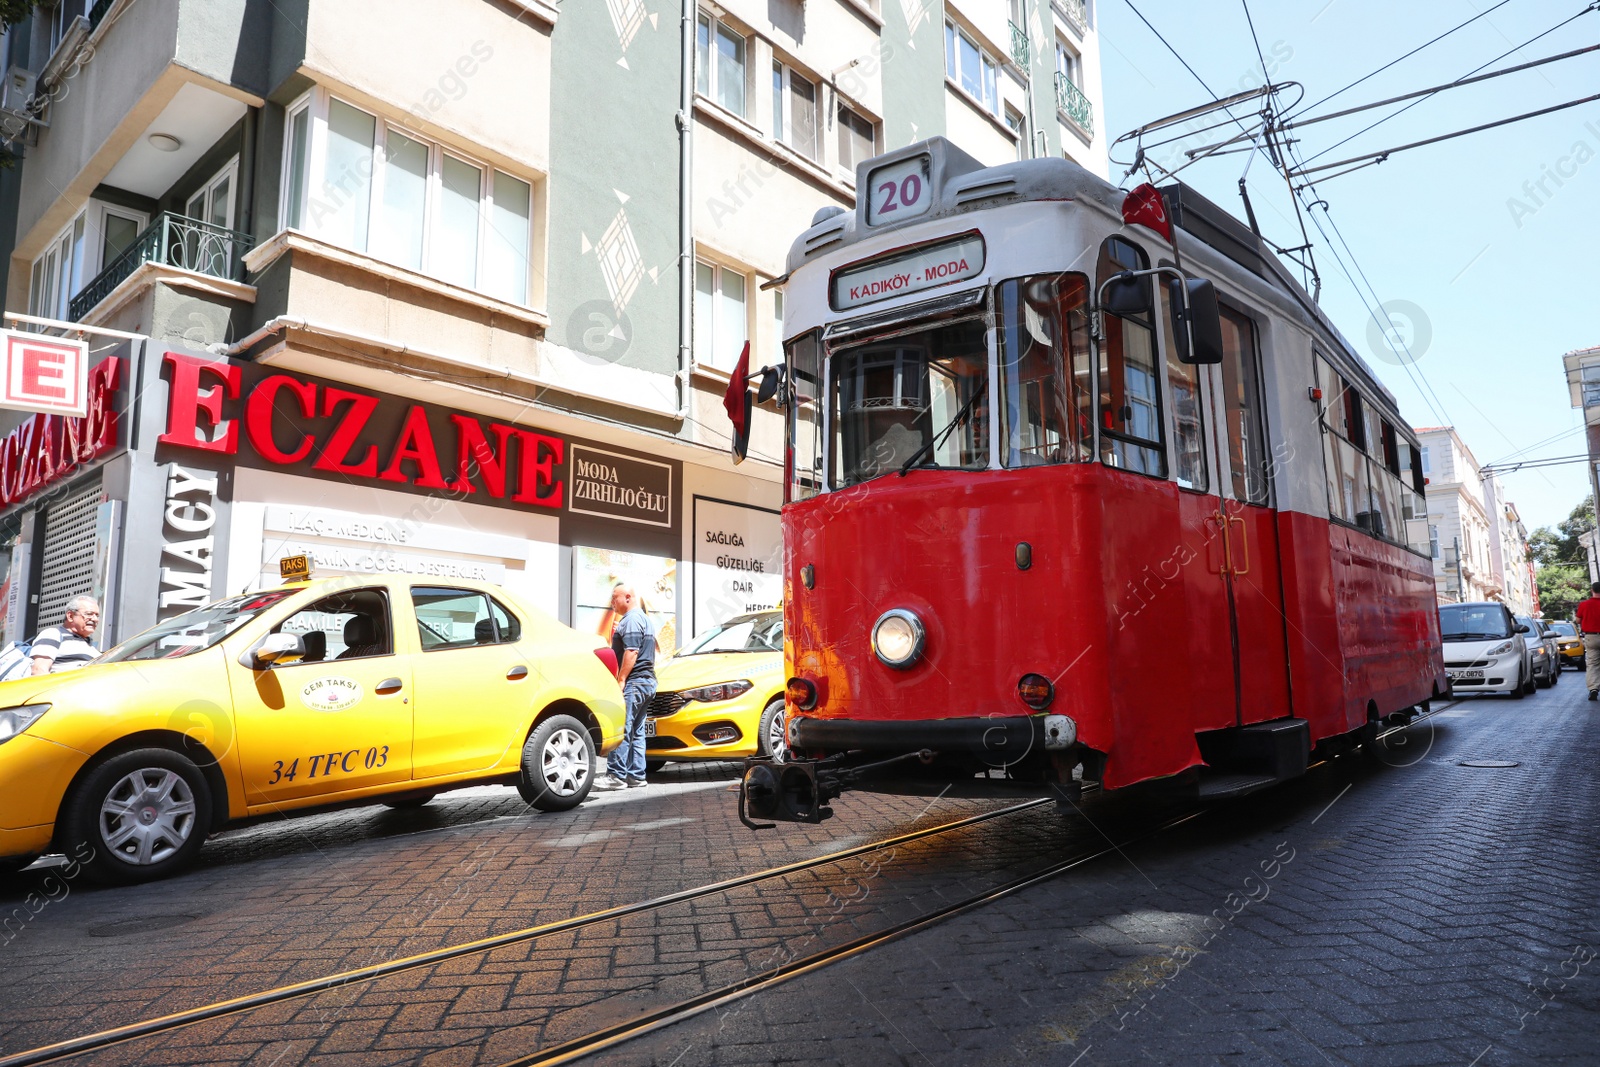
[(68, 646)]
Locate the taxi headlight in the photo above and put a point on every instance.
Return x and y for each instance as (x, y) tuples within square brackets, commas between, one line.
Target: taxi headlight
[(15, 720), (1499, 650), (898, 637), (710, 694)]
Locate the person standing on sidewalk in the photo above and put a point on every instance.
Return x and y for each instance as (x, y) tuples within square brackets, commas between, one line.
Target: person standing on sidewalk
[(1589, 626), (633, 639), (70, 645)]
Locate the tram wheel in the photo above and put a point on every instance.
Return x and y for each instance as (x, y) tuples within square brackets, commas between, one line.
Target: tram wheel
[(141, 815), (557, 764)]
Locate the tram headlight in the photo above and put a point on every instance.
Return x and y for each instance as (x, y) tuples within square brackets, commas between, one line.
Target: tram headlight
[(898, 638)]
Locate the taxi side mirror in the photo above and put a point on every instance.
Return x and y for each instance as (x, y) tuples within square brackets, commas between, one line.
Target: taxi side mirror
[(272, 650)]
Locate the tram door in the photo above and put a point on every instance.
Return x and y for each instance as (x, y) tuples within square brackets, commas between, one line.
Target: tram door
[(1245, 526)]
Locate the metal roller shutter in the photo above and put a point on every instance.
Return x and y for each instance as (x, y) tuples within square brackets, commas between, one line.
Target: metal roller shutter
[(69, 545)]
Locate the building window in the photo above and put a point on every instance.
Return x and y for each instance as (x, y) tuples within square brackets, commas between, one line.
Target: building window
[(794, 110), (971, 68), (720, 326), (1068, 65), (719, 64), (1427, 466), (409, 201), (1019, 129), (858, 139)]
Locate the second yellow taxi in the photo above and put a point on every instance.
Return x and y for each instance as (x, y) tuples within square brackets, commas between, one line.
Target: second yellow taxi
[(340, 691), (721, 695)]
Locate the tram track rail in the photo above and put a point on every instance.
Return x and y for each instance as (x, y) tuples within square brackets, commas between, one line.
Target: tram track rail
[(103, 1039), (658, 1018), (649, 1022)]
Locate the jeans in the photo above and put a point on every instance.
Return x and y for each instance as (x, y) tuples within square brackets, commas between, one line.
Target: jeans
[(1591, 661), (627, 759)]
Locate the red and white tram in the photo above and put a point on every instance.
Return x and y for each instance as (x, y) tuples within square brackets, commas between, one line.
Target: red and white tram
[(1029, 543)]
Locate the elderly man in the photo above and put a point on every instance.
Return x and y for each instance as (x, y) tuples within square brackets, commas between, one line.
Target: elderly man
[(68, 646), (633, 639)]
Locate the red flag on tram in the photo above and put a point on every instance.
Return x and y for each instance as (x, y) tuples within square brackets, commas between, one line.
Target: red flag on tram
[(736, 402), (1145, 207)]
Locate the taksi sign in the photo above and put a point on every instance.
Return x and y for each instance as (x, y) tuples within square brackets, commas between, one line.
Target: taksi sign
[(925, 267)]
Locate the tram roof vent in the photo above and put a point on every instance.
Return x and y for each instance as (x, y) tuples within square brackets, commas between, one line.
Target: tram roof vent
[(985, 185), (829, 232)]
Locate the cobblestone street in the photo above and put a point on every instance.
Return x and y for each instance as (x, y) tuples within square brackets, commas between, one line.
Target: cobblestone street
[(1409, 910)]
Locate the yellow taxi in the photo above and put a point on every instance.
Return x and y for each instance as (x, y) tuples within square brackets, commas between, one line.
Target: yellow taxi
[(721, 695), (1568, 643), (348, 690)]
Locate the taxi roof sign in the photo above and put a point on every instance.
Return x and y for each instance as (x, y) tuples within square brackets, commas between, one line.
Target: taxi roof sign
[(295, 568)]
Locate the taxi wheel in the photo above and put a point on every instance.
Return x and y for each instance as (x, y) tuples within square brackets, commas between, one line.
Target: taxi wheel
[(142, 814), (773, 741), (557, 764)]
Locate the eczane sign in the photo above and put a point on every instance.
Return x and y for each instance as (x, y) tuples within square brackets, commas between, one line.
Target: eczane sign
[(45, 374), (925, 267)]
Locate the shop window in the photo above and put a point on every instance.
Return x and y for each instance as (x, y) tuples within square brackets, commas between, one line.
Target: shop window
[(719, 64), (794, 110), (858, 139), (720, 323), (1044, 368), (971, 68), (408, 201), (1129, 406), (346, 625)]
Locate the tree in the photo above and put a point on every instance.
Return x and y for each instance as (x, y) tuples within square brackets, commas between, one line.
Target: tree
[(1560, 589), (1563, 574), (14, 11)]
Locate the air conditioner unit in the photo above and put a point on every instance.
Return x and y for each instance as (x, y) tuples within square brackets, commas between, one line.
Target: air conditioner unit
[(17, 90)]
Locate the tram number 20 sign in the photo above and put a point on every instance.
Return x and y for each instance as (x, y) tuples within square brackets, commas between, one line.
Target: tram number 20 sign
[(48, 374)]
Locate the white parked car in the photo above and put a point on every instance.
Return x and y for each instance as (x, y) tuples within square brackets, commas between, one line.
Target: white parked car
[(1484, 649)]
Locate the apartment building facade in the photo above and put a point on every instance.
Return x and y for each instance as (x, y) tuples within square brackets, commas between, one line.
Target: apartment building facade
[(454, 302), (1478, 541)]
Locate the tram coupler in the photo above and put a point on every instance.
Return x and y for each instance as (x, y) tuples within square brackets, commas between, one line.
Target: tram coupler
[(801, 790)]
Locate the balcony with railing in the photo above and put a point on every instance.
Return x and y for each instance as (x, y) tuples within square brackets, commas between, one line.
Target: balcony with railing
[(171, 241), (1071, 102), (1075, 13), (1021, 54)]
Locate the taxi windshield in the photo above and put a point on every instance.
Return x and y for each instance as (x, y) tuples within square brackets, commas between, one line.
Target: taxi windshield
[(744, 633), (196, 630)]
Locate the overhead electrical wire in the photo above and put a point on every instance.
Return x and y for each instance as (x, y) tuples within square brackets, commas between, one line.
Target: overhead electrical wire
[(1470, 73), (1408, 55)]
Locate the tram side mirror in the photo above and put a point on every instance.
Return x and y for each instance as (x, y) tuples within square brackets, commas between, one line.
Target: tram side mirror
[(272, 650), (1126, 295), (771, 380), (1202, 341)]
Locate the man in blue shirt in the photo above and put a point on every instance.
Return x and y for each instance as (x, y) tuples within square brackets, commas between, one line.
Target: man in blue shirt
[(633, 639)]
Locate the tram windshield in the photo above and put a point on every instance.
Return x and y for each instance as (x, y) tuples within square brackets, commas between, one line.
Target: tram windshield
[(919, 399)]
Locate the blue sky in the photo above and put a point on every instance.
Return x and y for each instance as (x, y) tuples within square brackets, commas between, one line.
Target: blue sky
[(1489, 277)]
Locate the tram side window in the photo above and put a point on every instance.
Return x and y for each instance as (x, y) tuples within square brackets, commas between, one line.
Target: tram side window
[(1131, 428), (803, 453), (1188, 411), (919, 399), (1333, 435), (1413, 503), (1044, 366), (1241, 397)]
